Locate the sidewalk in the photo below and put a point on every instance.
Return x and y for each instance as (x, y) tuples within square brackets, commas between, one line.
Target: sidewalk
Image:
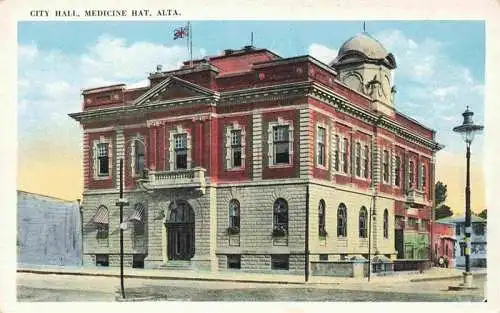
[(430, 275)]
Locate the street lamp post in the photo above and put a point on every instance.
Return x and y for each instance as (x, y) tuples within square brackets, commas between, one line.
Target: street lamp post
[(468, 130)]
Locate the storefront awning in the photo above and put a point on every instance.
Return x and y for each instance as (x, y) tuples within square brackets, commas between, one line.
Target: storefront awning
[(101, 217), (138, 214)]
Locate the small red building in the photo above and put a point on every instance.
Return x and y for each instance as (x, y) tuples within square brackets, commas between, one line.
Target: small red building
[(444, 244)]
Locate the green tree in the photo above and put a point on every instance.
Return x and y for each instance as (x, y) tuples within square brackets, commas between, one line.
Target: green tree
[(483, 214), (443, 211), (440, 193)]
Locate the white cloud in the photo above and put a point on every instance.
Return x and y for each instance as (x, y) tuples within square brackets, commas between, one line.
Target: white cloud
[(322, 53), (50, 82), (429, 77)]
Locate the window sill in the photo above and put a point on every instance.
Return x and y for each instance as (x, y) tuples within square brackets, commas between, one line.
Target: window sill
[(102, 177), (280, 165), (321, 167), (235, 169)]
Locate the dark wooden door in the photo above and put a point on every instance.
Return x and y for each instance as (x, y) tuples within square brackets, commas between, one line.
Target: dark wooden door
[(180, 244), (180, 231)]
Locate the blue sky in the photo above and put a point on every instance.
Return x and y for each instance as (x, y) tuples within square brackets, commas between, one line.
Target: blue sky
[(440, 65)]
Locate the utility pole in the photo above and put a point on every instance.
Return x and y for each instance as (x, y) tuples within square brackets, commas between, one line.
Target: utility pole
[(121, 203)]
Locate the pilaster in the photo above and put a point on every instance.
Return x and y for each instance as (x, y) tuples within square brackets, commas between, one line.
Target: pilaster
[(257, 146), (305, 134)]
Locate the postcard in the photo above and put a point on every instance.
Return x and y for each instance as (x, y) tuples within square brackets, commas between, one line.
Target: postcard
[(172, 155)]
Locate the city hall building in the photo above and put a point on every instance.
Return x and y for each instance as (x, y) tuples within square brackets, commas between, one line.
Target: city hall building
[(253, 162)]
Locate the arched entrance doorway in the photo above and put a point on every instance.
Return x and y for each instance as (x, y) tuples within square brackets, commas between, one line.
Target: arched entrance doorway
[(180, 231)]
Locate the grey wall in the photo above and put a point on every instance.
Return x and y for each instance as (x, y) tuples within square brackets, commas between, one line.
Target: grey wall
[(48, 231)]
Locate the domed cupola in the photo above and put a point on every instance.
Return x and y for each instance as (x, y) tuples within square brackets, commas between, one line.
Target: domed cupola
[(364, 65)]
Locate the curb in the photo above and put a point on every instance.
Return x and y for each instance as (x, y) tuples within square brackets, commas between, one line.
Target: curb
[(414, 280), (278, 282)]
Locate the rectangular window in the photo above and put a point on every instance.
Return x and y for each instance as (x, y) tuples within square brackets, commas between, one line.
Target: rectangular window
[(424, 176), (323, 257), (365, 162), (337, 151), (345, 155), (281, 145), (412, 223), (478, 229), (279, 262), (236, 148), (462, 248), (139, 157), (234, 261), (358, 159), (103, 159), (180, 148), (321, 146), (397, 172), (101, 260), (138, 261), (411, 174), (457, 229), (386, 166)]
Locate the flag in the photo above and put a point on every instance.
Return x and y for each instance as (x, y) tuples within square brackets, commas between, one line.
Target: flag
[(181, 32)]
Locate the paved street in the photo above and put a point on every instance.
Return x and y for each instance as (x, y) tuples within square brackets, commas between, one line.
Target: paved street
[(43, 287)]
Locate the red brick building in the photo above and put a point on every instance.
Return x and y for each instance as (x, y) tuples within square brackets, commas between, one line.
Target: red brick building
[(255, 162), (443, 243)]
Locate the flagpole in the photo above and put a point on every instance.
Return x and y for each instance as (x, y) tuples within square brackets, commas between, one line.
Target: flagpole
[(190, 39)]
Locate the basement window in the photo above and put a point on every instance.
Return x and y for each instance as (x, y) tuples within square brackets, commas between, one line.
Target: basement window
[(101, 260), (234, 261), (280, 262)]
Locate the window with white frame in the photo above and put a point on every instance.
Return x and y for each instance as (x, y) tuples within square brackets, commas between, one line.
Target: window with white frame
[(366, 162), (321, 149), (281, 145), (386, 166), (137, 155), (345, 156), (397, 171), (280, 142), (180, 151), (358, 159), (424, 176), (411, 174), (103, 159), (337, 152), (235, 146)]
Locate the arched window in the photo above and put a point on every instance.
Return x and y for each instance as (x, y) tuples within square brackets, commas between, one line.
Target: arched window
[(234, 214), (101, 219), (138, 219), (280, 216), (342, 221), (386, 223), (362, 223), (321, 218)]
